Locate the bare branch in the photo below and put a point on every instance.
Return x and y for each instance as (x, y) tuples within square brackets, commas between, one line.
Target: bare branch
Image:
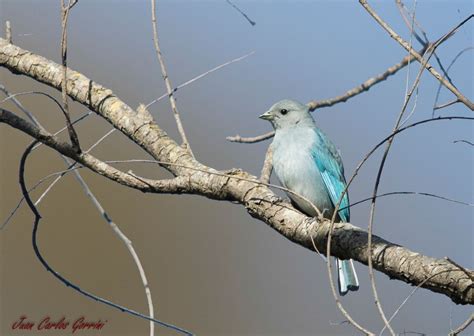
[(406, 300), (64, 19), (316, 104), (464, 141), (396, 127), (417, 56), (411, 24), (463, 326), (267, 166), (17, 103), (452, 102), (73, 3), (167, 80), (409, 193), (13, 212), (78, 176), (404, 11), (436, 107), (58, 275), (96, 203), (199, 77), (253, 23), (408, 95), (365, 86), (123, 238), (238, 138), (89, 161), (8, 31), (139, 127), (350, 241)]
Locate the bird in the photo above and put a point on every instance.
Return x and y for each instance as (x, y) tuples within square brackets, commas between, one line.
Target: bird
[(307, 163)]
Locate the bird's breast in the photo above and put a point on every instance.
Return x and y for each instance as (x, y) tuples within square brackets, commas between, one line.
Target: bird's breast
[(295, 168)]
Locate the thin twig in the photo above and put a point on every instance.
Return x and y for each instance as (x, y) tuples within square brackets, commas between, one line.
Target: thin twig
[(452, 102), (355, 173), (267, 166), (8, 32), (426, 39), (33, 118), (126, 241), (72, 165), (199, 77), (365, 86), (408, 193), (13, 212), (177, 184), (238, 138), (94, 200), (316, 104), (369, 247), (423, 40), (339, 305), (469, 274), (464, 141), (463, 326), (408, 95), (409, 67), (395, 313), (392, 193), (438, 91), (424, 63), (411, 24), (253, 23), (18, 104), (167, 80), (73, 3), (418, 57), (65, 281), (64, 19)]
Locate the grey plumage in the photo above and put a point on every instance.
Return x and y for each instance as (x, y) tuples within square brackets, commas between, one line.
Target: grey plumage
[(309, 164)]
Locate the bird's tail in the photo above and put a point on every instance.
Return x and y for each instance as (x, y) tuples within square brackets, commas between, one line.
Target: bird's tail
[(347, 279)]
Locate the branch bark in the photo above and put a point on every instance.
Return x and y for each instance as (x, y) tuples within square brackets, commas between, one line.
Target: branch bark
[(235, 185)]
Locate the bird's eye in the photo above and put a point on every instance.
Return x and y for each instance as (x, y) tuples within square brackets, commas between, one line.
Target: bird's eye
[(283, 111)]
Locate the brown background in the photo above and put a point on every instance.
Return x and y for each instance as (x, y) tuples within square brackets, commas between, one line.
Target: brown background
[(213, 269)]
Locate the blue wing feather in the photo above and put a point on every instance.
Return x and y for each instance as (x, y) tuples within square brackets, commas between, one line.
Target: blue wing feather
[(329, 164)]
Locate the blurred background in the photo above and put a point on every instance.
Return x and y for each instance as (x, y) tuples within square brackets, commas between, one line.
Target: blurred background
[(212, 268)]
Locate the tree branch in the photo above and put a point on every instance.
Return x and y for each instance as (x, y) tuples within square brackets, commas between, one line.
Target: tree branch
[(37, 218), (89, 161), (463, 326), (64, 20), (417, 56), (166, 78), (365, 86), (315, 104), (236, 185)]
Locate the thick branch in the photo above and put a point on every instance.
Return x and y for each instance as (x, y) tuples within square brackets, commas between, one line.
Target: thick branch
[(89, 161), (194, 178), (139, 127)]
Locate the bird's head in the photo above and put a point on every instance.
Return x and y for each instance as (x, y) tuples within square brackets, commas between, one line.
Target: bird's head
[(287, 113)]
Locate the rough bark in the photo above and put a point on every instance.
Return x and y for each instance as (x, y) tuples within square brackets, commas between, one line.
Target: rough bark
[(438, 275)]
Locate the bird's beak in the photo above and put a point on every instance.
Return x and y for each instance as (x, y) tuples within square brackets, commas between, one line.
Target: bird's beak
[(266, 116)]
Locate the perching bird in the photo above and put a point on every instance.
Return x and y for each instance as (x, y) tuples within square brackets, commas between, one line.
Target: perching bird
[(308, 163)]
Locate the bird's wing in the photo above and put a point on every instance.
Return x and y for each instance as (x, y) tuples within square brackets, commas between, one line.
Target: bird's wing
[(329, 164)]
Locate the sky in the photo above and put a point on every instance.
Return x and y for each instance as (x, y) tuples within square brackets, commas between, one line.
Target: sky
[(212, 268)]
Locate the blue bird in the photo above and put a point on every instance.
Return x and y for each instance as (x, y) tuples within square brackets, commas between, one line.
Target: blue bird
[(308, 163)]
